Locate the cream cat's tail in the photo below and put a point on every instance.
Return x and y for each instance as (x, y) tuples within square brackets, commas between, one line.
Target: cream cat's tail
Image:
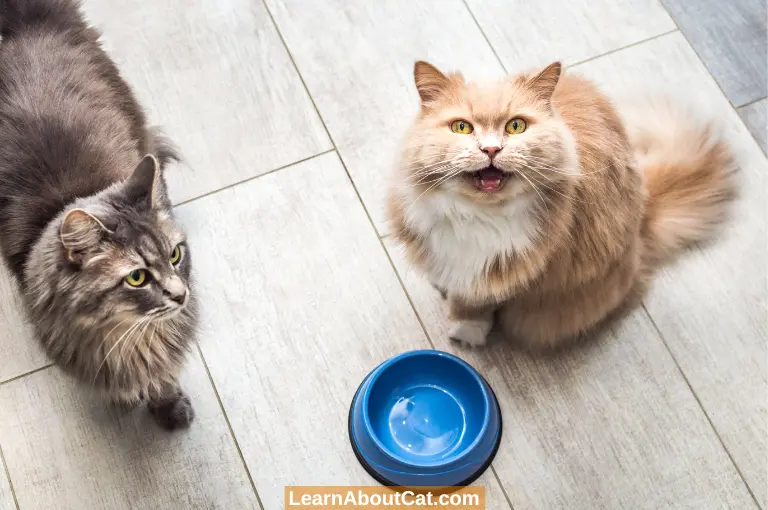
[(690, 175)]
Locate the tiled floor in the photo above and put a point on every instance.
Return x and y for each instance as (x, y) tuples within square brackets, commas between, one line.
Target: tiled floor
[(289, 113)]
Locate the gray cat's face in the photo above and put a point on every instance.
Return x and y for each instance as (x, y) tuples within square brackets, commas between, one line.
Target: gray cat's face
[(141, 267), (124, 256)]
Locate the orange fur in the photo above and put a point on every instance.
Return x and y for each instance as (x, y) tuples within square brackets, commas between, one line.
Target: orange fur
[(585, 212)]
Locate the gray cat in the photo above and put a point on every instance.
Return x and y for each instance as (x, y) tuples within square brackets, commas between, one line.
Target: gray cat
[(85, 222)]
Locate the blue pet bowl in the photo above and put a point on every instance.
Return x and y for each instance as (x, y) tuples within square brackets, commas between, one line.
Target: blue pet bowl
[(425, 418)]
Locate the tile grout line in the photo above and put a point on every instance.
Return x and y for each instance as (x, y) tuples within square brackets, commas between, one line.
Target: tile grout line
[(298, 73), (25, 374), (616, 50), (362, 203), (349, 176), (701, 406), (482, 32), (229, 426), (8, 476), (648, 313), (249, 179), (218, 399), (501, 486), (405, 291), (2, 454), (701, 60), (744, 123), (749, 103), (498, 58)]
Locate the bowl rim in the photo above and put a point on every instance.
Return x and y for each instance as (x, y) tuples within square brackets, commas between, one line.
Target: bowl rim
[(374, 375)]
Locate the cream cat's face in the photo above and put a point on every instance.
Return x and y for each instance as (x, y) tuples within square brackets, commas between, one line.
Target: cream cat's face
[(490, 142)]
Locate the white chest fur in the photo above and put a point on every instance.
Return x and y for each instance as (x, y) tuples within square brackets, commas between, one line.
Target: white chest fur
[(463, 238)]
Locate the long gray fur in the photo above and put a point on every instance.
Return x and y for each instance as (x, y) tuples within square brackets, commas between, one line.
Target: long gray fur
[(72, 138)]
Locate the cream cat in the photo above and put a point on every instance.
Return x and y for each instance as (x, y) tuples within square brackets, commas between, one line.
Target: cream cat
[(528, 200)]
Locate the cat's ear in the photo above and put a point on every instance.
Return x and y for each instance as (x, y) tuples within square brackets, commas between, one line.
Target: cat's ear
[(544, 83), (79, 232), (145, 185), (430, 82)]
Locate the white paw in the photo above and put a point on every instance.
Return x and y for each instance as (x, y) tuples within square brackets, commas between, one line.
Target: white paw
[(470, 333)]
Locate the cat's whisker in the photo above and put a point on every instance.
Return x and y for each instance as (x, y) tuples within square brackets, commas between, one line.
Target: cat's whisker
[(128, 341), (141, 336), (110, 332), (431, 168), (446, 157), (432, 172), (445, 177), (152, 337), (119, 340), (543, 200), (567, 197), (542, 163), (439, 181), (438, 173)]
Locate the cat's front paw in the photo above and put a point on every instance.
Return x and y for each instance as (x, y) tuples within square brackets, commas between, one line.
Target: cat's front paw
[(470, 333), (173, 414)]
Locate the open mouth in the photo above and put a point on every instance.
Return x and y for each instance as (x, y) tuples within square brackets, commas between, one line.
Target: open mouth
[(489, 180)]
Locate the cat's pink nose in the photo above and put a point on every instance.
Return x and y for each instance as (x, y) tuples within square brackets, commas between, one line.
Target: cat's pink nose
[(491, 150)]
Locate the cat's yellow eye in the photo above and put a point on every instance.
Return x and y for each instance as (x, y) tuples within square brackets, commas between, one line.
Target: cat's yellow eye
[(136, 278), (461, 127), (515, 126), (176, 255)]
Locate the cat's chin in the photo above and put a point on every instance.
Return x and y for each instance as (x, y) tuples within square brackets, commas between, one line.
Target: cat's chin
[(489, 180)]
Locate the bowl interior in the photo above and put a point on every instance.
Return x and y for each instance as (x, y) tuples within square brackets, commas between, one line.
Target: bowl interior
[(426, 408)]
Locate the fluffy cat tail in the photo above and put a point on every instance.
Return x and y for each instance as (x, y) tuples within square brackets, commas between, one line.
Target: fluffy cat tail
[(690, 175), (16, 16)]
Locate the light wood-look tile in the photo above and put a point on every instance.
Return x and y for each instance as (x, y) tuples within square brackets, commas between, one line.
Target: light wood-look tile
[(65, 452), (755, 116), (711, 306), (6, 496), (217, 77), (357, 61), (20, 351), (609, 424), (530, 34), (731, 39), (300, 304)]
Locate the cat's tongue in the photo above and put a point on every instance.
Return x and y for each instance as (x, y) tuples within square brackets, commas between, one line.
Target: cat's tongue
[(489, 180)]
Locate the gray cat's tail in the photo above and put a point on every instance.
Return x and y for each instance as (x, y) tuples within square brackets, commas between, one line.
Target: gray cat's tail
[(18, 16)]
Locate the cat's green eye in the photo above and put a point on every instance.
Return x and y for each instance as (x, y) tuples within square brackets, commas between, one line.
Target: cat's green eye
[(177, 254), (136, 278), (461, 127), (515, 126)]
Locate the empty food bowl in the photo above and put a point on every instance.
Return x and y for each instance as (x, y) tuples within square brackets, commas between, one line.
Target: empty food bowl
[(425, 418)]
